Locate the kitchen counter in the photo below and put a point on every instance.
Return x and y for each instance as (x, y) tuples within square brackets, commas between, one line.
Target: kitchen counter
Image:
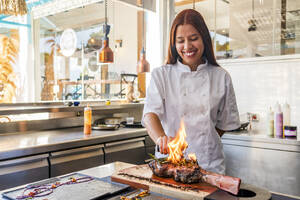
[(109, 169), (260, 140), (13, 145)]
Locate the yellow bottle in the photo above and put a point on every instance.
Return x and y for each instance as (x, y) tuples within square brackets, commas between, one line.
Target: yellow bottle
[(87, 120)]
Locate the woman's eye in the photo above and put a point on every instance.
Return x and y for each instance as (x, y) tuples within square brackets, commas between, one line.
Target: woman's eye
[(180, 41), (194, 38)]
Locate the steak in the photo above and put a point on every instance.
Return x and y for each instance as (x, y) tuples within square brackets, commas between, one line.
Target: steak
[(185, 174), (192, 173)]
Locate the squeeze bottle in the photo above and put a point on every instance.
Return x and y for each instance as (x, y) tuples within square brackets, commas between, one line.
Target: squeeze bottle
[(286, 115), (87, 120), (270, 123), (278, 121)]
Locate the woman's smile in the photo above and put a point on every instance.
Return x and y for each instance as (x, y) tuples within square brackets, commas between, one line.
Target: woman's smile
[(189, 45)]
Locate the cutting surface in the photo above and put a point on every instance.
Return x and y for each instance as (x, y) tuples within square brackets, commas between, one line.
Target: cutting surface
[(141, 177)]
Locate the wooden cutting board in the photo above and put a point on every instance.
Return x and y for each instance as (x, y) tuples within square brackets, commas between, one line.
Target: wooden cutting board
[(142, 177)]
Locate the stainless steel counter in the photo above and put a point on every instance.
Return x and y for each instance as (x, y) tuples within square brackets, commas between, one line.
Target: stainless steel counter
[(14, 145), (9, 109)]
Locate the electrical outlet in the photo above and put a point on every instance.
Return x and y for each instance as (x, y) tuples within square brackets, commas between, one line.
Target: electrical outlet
[(254, 117)]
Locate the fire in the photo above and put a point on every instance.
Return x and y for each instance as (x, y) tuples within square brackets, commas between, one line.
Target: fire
[(178, 145)]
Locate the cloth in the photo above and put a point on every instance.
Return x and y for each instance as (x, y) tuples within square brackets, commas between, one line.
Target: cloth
[(204, 99)]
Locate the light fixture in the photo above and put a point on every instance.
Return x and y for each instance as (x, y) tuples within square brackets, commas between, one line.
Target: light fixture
[(143, 65), (106, 55)]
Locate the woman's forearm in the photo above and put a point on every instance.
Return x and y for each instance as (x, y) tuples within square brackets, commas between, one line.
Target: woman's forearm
[(153, 126)]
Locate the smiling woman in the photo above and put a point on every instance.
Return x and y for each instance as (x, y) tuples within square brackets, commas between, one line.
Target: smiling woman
[(191, 87)]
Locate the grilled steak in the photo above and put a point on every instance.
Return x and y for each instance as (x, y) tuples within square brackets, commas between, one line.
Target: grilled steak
[(184, 174), (192, 173)]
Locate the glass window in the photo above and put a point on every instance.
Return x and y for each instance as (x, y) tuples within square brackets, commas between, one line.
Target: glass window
[(250, 28)]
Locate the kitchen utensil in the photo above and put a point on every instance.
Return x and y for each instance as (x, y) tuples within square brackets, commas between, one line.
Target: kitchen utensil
[(108, 120), (134, 125), (106, 126)]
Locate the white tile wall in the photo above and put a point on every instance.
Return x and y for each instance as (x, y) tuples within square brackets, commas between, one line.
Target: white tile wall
[(260, 82)]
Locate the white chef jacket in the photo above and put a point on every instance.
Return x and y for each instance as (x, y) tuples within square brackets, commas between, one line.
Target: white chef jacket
[(204, 99)]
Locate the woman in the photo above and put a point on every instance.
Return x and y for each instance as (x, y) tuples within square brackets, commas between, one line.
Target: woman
[(193, 87)]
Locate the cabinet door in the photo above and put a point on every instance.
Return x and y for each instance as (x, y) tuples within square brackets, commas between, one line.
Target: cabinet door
[(131, 151), (24, 170), (63, 162)]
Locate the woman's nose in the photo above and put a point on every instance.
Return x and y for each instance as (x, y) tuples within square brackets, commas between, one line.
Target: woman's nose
[(187, 44)]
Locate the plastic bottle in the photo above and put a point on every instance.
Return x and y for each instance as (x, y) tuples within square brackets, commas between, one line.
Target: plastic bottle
[(87, 120), (270, 123), (278, 121), (286, 115)]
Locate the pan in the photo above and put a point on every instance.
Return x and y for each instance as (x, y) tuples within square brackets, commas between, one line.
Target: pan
[(106, 126)]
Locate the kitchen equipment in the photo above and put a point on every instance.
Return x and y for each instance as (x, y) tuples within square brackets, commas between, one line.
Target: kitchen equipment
[(108, 120), (133, 125), (94, 189), (106, 126), (141, 176)]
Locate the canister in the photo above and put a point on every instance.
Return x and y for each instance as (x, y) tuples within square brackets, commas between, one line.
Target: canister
[(290, 131)]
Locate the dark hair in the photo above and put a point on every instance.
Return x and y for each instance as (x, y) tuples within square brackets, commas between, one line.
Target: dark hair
[(194, 18)]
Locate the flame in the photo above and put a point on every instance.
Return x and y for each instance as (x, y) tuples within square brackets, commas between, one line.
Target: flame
[(192, 157), (178, 145)]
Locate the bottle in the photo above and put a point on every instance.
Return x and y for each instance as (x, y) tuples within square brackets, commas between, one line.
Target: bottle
[(87, 120), (278, 121), (286, 116), (270, 123)]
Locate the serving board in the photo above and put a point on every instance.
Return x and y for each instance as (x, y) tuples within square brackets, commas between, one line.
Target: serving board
[(141, 176)]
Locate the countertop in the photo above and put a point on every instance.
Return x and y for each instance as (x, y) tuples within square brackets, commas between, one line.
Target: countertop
[(109, 169), (14, 145), (259, 139)]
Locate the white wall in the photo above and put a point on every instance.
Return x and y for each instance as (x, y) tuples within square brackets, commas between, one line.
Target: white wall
[(124, 28), (260, 82)]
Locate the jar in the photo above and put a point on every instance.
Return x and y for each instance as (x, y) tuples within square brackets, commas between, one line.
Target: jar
[(290, 131)]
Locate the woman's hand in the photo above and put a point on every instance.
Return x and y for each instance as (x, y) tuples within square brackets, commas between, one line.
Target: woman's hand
[(162, 142)]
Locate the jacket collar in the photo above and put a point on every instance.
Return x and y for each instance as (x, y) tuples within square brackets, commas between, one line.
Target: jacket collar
[(186, 68)]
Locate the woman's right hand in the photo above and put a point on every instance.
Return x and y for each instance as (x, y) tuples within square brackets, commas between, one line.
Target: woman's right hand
[(162, 143)]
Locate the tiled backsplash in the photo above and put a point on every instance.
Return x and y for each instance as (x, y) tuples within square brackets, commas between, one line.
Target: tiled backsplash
[(260, 82)]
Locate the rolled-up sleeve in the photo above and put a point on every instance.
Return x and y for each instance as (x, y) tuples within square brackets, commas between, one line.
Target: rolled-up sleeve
[(155, 95), (228, 115)]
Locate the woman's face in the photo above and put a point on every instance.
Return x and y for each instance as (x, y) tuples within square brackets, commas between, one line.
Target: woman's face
[(189, 45)]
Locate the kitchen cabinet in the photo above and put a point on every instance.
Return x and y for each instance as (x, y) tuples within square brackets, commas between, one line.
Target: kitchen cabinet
[(24, 170), (63, 162), (131, 151)]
